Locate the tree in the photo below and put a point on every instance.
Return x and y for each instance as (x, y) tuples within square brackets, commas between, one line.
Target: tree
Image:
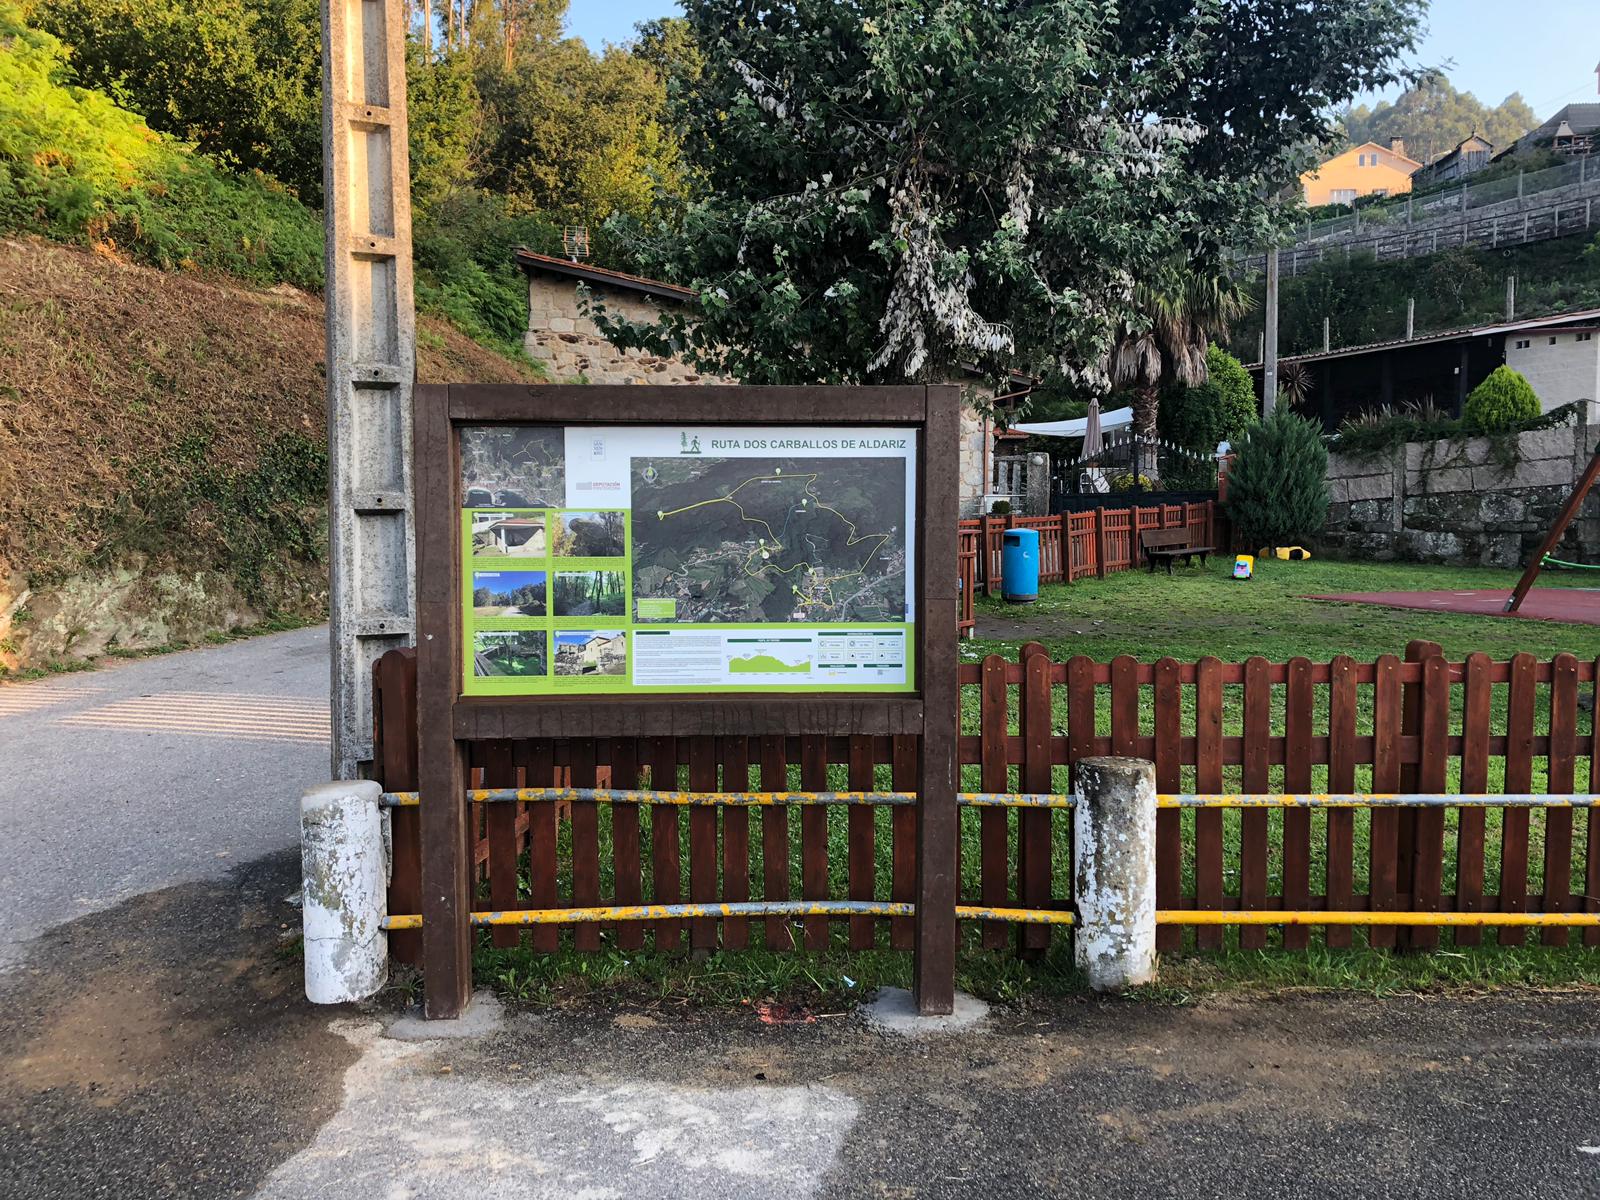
[(445, 128), (1177, 314), (1277, 484), (574, 134), (894, 191), (1218, 410), (241, 79), (1434, 119)]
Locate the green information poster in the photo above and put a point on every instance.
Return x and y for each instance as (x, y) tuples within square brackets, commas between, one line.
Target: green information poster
[(655, 559)]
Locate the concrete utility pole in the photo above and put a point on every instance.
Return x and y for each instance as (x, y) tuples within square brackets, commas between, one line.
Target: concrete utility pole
[(1511, 297), (1411, 318), (1269, 374), (371, 352)]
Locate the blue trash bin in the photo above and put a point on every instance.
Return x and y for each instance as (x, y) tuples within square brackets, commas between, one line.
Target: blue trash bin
[(1019, 566)]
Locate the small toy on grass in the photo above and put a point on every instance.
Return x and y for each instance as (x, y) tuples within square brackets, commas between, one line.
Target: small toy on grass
[(1244, 567), (1293, 553)]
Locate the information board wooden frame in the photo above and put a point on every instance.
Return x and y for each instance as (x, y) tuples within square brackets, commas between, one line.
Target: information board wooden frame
[(447, 719)]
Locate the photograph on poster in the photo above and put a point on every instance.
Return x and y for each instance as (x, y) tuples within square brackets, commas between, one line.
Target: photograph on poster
[(514, 653), (591, 652), (509, 534), (508, 593), (589, 594), (513, 466), (589, 534)]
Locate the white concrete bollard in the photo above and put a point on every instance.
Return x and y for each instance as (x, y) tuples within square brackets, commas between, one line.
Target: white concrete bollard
[(1114, 872), (344, 899)]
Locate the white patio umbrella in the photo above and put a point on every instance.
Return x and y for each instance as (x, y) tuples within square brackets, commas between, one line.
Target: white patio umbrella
[(1091, 430)]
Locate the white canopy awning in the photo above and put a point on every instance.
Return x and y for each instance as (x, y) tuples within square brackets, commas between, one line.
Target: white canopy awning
[(1117, 418)]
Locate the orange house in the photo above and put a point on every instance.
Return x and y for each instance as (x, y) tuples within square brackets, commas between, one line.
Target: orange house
[(1365, 170)]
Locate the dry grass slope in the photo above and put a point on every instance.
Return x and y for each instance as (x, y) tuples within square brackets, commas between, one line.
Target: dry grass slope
[(172, 419)]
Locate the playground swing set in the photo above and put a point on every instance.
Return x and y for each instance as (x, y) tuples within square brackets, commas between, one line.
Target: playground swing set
[(1552, 539)]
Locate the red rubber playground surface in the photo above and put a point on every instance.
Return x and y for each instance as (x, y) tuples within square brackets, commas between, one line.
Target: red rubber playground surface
[(1579, 606)]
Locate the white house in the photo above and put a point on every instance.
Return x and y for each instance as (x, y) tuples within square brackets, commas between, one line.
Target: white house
[(1562, 364)]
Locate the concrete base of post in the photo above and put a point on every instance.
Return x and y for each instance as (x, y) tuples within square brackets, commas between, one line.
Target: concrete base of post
[(344, 895), (1114, 869)]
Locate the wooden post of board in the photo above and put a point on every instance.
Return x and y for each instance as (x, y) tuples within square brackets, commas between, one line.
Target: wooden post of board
[(441, 775), (1568, 512), (934, 970)]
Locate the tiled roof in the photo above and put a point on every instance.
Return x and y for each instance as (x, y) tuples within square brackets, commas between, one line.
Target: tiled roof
[(529, 261)]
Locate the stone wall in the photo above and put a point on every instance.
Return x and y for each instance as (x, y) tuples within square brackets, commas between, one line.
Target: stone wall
[(571, 348), (1479, 501), (973, 486)]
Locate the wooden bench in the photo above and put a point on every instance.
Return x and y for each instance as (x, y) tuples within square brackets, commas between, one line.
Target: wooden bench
[(1168, 544)]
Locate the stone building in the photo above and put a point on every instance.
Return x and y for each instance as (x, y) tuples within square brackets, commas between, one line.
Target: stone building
[(567, 342), (572, 350)]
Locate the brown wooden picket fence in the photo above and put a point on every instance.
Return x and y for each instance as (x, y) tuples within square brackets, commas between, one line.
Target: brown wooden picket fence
[(967, 558), (1096, 542), (1421, 724)]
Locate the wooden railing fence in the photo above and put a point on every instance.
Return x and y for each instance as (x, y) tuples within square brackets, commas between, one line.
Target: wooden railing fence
[(1421, 724), (1096, 542)]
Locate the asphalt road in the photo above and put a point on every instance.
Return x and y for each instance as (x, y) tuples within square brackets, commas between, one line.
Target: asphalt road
[(154, 772), (155, 1041)]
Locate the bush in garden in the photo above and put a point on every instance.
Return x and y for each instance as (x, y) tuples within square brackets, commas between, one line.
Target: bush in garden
[(1218, 410), (1277, 485), (1502, 401)]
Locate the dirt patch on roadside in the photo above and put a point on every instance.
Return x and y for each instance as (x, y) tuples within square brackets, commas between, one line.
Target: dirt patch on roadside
[(164, 1047)]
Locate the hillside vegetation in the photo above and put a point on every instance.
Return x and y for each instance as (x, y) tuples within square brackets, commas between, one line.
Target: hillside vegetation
[(171, 425), (162, 435), (76, 167), (1365, 300)]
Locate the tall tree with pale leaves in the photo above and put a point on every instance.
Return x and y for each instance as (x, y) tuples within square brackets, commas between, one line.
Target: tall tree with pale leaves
[(896, 189)]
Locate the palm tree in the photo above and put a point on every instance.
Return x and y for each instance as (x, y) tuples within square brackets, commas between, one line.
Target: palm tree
[(1179, 313)]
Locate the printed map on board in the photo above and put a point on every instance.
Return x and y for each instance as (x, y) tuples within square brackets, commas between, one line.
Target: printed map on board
[(754, 540)]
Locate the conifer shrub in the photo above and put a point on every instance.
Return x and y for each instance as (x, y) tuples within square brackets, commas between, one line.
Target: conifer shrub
[(1277, 485), (1501, 402)]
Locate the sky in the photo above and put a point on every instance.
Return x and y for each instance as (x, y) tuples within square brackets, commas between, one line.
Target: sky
[(1548, 53), (600, 21)]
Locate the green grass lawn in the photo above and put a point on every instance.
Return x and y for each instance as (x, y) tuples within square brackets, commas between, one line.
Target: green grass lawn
[(1195, 613), (1201, 611)]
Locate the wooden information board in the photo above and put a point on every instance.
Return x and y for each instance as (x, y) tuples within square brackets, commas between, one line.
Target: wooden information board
[(680, 561)]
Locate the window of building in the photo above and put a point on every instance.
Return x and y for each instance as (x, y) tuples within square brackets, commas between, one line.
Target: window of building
[(1342, 196), (1524, 344), (1586, 337), (1552, 341), (1380, 192)]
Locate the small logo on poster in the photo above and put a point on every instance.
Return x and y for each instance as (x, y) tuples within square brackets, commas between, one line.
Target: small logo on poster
[(597, 449), (688, 445)]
